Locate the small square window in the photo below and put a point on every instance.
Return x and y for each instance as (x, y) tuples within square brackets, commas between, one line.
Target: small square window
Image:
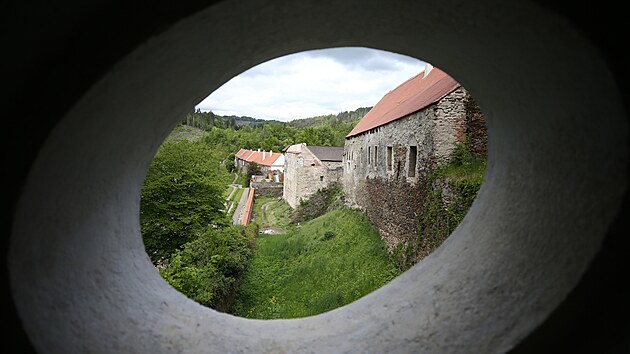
[(321, 178)]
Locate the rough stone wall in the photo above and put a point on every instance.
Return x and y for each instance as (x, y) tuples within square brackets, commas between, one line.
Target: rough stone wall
[(392, 206), (240, 165), (476, 127), (289, 192), (268, 189), (305, 174), (379, 175)]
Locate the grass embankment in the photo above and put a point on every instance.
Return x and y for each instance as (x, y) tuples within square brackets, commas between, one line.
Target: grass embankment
[(272, 213), (323, 264)]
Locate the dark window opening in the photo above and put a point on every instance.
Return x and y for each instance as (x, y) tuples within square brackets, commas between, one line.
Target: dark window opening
[(389, 158), (413, 153)]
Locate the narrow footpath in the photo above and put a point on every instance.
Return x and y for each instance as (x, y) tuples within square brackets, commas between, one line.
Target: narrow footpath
[(238, 213), (229, 203)]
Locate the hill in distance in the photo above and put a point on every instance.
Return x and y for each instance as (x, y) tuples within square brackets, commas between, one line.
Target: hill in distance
[(205, 120)]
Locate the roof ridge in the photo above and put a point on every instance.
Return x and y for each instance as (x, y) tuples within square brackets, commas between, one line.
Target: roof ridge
[(410, 96)]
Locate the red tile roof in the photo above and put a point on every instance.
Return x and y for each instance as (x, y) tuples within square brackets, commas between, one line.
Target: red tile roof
[(241, 154), (257, 156), (411, 96), (267, 161)]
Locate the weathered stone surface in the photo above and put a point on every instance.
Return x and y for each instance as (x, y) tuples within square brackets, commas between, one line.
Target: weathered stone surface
[(268, 189), (305, 174), (381, 175)]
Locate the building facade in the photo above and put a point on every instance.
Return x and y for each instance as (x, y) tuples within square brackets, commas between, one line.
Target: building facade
[(389, 153), (271, 163), (308, 169)]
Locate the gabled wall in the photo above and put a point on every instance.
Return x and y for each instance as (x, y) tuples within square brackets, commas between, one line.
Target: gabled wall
[(305, 174)]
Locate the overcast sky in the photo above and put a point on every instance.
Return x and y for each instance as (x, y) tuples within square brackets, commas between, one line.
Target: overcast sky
[(312, 83)]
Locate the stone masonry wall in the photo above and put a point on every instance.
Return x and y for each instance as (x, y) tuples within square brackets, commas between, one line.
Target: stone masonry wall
[(380, 174), (305, 174), (268, 189)]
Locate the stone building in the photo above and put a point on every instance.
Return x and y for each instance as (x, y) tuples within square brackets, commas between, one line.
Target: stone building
[(271, 163), (309, 168), (407, 133)]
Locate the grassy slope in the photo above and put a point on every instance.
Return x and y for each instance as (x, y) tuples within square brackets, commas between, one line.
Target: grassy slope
[(300, 273), (276, 214)]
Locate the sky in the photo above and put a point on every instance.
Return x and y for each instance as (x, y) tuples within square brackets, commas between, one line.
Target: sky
[(312, 83)]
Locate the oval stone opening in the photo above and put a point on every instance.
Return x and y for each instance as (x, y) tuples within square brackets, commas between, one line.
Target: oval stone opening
[(292, 215)]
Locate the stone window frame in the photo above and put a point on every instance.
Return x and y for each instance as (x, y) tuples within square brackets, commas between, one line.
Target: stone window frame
[(390, 158), (412, 162), (361, 155)]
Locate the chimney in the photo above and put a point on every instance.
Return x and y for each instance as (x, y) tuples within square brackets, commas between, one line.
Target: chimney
[(270, 153), (263, 154), (258, 150), (427, 69)]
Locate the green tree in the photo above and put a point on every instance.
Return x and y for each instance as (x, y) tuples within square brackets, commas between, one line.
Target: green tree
[(182, 194), (252, 170), (207, 269)]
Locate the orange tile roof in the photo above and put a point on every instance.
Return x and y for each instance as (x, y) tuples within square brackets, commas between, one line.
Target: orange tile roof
[(249, 156), (257, 156), (411, 96), (240, 154), (268, 161)]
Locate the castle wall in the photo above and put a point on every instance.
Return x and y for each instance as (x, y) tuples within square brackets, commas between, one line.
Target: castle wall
[(384, 169)]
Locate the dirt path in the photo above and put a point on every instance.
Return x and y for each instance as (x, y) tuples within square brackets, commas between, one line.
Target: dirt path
[(267, 227)]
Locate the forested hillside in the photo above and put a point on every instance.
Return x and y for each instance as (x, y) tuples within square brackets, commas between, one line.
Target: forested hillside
[(331, 119), (252, 133)]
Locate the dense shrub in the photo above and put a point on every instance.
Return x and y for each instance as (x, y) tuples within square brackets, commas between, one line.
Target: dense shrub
[(182, 194), (208, 268)]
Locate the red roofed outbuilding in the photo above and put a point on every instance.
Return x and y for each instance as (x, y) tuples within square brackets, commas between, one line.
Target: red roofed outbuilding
[(268, 161)]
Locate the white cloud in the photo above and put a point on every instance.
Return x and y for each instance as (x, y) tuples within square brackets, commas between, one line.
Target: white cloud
[(312, 83)]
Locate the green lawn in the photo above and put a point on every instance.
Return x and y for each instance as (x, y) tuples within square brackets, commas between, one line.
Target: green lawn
[(323, 264)]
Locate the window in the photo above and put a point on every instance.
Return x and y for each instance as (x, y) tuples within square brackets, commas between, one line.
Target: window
[(321, 178), (413, 154), (369, 159), (389, 158), (376, 156)]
